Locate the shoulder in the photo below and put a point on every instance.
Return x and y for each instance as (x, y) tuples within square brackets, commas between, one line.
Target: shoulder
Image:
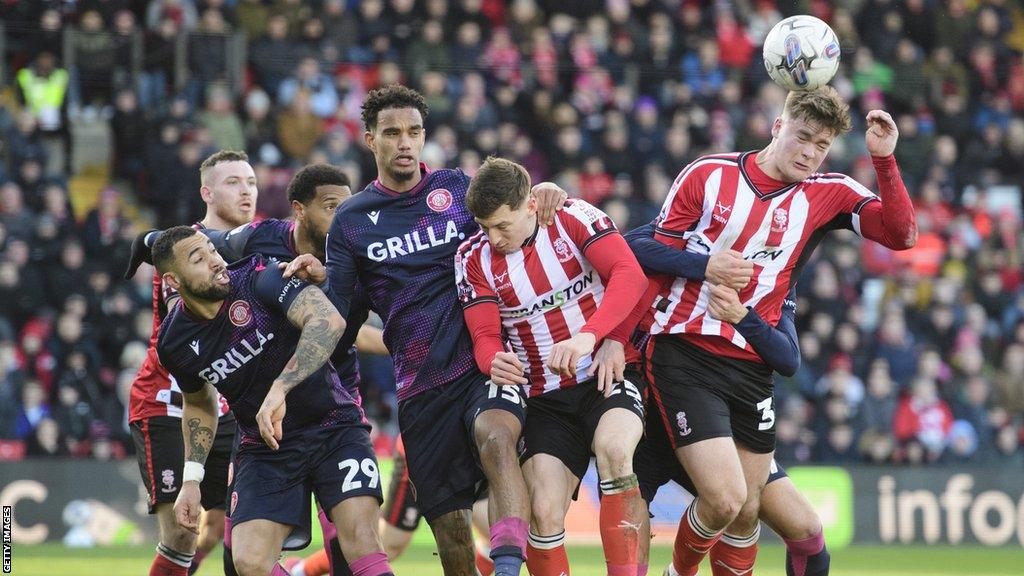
[(453, 179), (838, 180), (703, 166), (472, 248)]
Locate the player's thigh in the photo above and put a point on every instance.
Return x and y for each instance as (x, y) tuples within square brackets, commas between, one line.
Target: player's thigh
[(160, 453), (787, 511), (344, 467), (752, 409), (555, 427), (256, 545), (551, 486), (440, 454), (688, 389), (714, 466), (495, 415)]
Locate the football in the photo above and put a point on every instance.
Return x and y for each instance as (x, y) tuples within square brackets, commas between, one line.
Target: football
[(801, 53)]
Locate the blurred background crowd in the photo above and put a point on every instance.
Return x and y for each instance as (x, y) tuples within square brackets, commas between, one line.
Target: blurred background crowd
[(109, 106)]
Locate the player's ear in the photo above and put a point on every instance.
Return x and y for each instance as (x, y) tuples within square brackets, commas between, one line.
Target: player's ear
[(777, 127), (206, 194), (531, 204), (368, 138), (299, 209), (171, 279)]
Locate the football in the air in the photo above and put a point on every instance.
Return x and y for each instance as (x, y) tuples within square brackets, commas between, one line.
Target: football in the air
[(801, 53)]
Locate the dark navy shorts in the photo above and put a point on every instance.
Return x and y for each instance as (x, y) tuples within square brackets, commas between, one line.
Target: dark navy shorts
[(437, 430), (334, 463)]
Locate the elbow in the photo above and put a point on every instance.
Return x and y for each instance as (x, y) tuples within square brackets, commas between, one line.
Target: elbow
[(336, 326), (910, 239), (788, 369)]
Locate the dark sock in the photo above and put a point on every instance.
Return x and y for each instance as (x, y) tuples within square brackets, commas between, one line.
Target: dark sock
[(508, 560)]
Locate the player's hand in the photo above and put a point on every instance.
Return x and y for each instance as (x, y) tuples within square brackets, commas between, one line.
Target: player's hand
[(140, 253), (271, 416), (882, 134), (305, 267), (729, 269), (550, 199), (567, 353), (609, 366), (724, 304), (507, 370), (187, 507)]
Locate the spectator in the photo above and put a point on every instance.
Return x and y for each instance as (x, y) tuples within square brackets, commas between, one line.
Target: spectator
[(220, 119), (298, 128), (95, 59), (33, 409), (43, 89), (923, 417), (274, 56), (323, 98)]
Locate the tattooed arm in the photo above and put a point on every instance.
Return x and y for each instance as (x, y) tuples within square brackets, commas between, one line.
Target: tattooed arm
[(198, 427), (321, 327), (199, 423)]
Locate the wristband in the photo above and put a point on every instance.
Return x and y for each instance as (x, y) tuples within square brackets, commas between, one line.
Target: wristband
[(193, 471)]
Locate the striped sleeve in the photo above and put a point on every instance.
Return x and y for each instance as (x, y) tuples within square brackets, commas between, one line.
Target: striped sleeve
[(585, 223), (470, 279), (684, 204)]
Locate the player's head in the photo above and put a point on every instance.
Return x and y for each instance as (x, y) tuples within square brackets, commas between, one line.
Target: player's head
[(394, 116), (802, 136), (315, 192), (229, 188), (500, 201), (188, 262)]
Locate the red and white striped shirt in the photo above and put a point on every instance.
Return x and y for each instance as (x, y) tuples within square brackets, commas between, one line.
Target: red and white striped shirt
[(545, 292), (727, 202)]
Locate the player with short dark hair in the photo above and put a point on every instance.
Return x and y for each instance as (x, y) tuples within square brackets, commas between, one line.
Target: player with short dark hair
[(265, 343), (554, 294), (783, 507), (398, 238), (758, 216), (154, 412)]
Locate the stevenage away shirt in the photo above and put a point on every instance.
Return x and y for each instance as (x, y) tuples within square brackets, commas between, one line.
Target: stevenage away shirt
[(401, 248), (246, 346)]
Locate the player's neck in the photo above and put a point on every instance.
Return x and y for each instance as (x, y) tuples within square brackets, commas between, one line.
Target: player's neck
[(304, 244), (765, 160), (205, 309), (214, 222), (396, 185)]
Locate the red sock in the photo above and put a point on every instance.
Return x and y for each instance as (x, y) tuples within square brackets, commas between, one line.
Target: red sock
[(545, 555), (620, 524), (732, 556), (693, 542), (169, 562), (317, 564), (483, 563)]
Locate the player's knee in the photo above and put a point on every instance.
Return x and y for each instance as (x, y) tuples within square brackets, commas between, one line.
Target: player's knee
[(252, 565), (726, 502), (614, 459), (177, 538), (497, 444), (548, 514)]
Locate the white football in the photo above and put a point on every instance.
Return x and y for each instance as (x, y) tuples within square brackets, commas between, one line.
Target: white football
[(801, 53)]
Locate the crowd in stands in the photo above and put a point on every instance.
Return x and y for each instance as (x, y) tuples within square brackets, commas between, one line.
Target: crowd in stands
[(914, 357)]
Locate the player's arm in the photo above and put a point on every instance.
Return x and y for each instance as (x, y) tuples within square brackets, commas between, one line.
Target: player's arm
[(483, 319), (890, 222), (725, 267), (309, 310), (370, 340), (340, 262), (777, 346), (625, 283)]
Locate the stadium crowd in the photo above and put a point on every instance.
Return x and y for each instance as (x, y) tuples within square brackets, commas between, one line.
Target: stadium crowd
[(914, 357)]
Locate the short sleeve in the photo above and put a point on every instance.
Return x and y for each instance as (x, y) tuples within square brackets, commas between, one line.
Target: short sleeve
[(167, 349), (470, 279), (274, 290), (849, 198), (684, 204), (585, 223)]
